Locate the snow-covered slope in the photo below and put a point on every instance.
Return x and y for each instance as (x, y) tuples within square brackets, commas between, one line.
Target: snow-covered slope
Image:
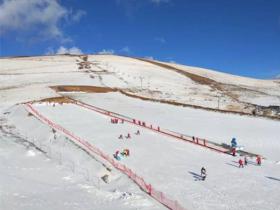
[(151, 79), (42, 169), (171, 166), (250, 132)]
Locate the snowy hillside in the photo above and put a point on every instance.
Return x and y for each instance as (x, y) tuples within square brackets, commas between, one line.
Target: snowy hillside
[(150, 79), (38, 139)]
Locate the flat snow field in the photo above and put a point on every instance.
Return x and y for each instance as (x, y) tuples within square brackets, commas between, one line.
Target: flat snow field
[(173, 166), (257, 135)]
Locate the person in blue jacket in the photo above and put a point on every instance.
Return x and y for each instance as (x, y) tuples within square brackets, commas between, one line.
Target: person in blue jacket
[(233, 142)]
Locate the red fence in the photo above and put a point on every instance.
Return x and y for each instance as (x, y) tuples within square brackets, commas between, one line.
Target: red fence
[(197, 141), (148, 188)]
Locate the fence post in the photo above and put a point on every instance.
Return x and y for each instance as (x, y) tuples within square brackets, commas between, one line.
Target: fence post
[(149, 189), (161, 196), (204, 142)]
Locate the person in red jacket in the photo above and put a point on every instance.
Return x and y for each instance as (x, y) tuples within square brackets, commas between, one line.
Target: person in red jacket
[(233, 151), (240, 163)]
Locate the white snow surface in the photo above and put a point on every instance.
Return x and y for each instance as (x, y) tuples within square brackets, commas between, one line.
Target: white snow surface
[(62, 176), (59, 175), (29, 78), (173, 166), (257, 135)]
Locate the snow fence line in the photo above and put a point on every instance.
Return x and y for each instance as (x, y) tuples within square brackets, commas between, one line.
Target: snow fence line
[(195, 140), (148, 188)]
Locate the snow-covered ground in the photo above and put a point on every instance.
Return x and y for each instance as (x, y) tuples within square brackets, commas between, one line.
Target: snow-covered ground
[(257, 135), (151, 80), (62, 176), (44, 170), (35, 74), (173, 167)]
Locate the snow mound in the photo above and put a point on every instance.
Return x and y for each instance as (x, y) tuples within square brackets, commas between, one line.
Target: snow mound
[(31, 153)]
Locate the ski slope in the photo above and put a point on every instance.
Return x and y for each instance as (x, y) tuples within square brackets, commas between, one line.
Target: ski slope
[(258, 136), (31, 153), (173, 166), (42, 169)]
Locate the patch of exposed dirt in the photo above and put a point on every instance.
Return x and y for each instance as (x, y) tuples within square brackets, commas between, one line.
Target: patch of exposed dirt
[(59, 100), (80, 88), (196, 78)]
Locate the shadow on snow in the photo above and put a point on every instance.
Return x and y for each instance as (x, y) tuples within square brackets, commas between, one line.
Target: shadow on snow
[(196, 176), (273, 178)]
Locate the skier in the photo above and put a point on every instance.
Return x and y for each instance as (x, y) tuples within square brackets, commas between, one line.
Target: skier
[(126, 152), (116, 155), (245, 160), (128, 136), (240, 163), (203, 173), (233, 142), (233, 151), (138, 132), (121, 136), (258, 160)]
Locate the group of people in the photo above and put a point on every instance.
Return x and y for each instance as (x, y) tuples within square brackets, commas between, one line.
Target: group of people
[(125, 152), (116, 120), (245, 161), (128, 136), (241, 161)]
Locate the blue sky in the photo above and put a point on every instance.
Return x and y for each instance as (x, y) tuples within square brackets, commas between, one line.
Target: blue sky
[(235, 36)]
